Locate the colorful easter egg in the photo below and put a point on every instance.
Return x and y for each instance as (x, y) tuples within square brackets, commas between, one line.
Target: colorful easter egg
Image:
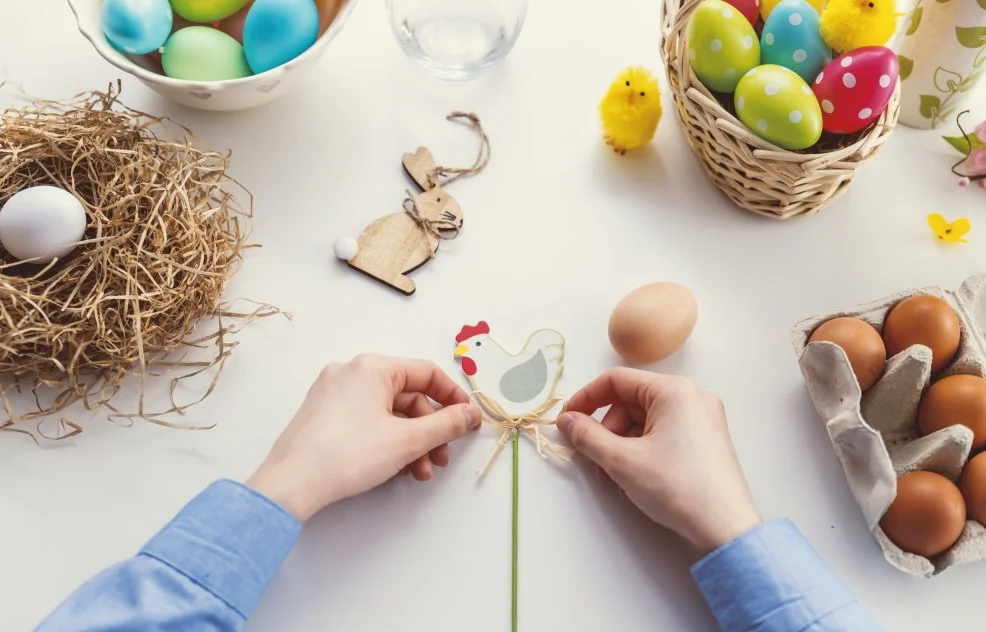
[(791, 39), (855, 88), (767, 6), (277, 31), (137, 26), (722, 46), (207, 11), (202, 53), (779, 107), (749, 8)]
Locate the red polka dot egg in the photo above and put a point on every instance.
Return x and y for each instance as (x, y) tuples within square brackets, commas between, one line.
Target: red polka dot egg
[(855, 88)]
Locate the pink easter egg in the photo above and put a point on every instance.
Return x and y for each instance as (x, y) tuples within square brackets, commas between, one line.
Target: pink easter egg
[(855, 88), (749, 8)]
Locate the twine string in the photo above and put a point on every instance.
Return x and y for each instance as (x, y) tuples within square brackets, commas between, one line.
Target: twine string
[(451, 174), (529, 425), (439, 228)]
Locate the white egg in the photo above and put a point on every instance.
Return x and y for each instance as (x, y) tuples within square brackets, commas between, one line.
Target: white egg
[(41, 223)]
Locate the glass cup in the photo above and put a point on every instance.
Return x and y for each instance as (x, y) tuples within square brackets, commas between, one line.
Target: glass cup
[(456, 39)]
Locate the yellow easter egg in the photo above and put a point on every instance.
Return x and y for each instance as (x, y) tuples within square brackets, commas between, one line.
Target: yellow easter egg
[(779, 107), (722, 46)]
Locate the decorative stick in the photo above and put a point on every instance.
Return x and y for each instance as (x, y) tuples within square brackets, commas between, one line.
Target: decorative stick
[(513, 609)]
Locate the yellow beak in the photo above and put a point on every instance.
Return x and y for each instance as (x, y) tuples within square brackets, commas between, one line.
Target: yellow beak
[(461, 350)]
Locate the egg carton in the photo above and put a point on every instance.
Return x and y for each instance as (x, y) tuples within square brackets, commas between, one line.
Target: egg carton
[(875, 434)]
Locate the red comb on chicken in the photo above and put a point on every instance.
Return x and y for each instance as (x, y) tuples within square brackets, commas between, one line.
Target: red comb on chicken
[(469, 331)]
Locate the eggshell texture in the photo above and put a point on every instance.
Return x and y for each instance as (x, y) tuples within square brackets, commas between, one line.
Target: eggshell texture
[(41, 223), (767, 7), (959, 399), (277, 31), (973, 486), (855, 88), (207, 11), (779, 107), (201, 53), (790, 38), (722, 46), (136, 27), (924, 320), (749, 8), (927, 516), (862, 343), (653, 322)]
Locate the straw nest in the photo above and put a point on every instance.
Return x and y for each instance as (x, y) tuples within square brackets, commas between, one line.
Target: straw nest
[(755, 174), (163, 237)]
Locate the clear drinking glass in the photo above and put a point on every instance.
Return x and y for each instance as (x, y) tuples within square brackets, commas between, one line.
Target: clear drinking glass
[(456, 39)]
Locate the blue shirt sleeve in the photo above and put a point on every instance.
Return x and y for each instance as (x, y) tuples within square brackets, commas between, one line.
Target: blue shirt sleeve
[(206, 570), (771, 579)]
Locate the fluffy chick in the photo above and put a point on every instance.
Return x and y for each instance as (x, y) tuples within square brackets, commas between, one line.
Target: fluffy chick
[(631, 110), (850, 24)]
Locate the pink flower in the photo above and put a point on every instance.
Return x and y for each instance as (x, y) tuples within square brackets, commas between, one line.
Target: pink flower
[(976, 162), (981, 131)]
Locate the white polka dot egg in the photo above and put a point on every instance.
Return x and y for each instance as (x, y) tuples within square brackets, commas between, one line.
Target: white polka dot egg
[(791, 39), (722, 46), (854, 88), (778, 106)]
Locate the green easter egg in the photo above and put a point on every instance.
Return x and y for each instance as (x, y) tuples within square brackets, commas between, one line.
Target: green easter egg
[(201, 53), (779, 107), (206, 11), (722, 46)]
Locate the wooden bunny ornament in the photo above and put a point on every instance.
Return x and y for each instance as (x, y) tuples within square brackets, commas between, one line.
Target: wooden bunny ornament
[(395, 245)]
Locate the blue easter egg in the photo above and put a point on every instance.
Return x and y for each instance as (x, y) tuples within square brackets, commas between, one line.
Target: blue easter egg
[(137, 27), (791, 39), (277, 31)]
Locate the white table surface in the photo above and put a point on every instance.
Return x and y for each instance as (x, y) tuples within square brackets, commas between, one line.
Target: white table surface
[(557, 230)]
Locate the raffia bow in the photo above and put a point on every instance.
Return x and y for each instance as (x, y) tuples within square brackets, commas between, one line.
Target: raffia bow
[(528, 424), (439, 228)]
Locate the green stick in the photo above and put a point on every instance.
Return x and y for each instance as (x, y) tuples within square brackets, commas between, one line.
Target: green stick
[(513, 617)]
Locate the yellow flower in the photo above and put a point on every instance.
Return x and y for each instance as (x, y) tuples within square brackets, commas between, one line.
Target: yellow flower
[(951, 232)]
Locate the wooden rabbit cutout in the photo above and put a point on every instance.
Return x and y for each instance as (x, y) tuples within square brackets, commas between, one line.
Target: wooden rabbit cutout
[(394, 246)]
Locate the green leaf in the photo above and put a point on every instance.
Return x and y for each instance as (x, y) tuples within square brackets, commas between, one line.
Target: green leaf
[(930, 104), (964, 144), (947, 81), (982, 4), (914, 21), (946, 1), (971, 36), (906, 65)]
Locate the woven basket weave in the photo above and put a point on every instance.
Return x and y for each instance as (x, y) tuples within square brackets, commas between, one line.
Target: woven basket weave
[(753, 173)]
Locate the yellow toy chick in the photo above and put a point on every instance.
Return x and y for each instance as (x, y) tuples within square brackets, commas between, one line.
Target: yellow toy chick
[(631, 110), (850, 24)]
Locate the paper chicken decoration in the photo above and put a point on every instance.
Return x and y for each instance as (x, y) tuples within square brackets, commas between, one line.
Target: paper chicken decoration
[(516, 391)]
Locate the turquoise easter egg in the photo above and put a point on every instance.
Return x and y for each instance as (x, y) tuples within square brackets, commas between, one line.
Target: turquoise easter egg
[(207, 11), (779, 107), (201, 53), (137, 27), (791, 39), (277, 31), (722, 46)]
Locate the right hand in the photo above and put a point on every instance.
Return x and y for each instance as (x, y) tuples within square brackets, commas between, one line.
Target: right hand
[(665, 443)]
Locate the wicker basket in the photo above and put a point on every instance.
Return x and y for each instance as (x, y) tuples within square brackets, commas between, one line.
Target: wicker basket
[(754, 174)]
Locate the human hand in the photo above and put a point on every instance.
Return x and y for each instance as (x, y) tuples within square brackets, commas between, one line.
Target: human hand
[(361, 424), (666, 444)]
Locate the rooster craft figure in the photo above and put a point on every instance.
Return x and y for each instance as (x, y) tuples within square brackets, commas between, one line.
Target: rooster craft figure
[(520, 382)]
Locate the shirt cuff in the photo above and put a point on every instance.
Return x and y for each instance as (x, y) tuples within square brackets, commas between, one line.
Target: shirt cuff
[(229, 539), (769, 577)]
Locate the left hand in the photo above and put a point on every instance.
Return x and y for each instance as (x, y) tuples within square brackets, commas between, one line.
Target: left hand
[(353, 432)]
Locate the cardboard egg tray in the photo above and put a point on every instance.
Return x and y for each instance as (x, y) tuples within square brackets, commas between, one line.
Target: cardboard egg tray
[(876, 436)]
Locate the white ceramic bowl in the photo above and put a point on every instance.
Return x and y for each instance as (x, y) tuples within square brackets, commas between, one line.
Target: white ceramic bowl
[(237, 94)]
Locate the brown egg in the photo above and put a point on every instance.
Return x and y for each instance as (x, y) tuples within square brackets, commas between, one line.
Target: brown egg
[(327, 12), (862, 344), (924, 320), (927, 516), (973, 486), (959, 399), (653, 322)]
